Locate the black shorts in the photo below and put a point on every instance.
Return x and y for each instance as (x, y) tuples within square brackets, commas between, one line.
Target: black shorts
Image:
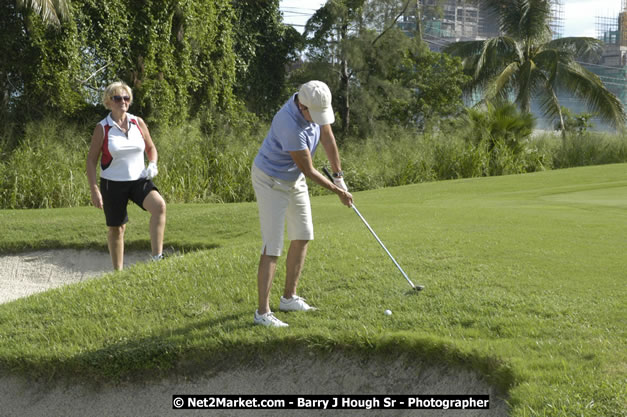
[(116, 194)]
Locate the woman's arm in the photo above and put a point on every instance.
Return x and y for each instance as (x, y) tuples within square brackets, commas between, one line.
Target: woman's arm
[(327, 138), (95, 149), (305, 164), (151, 149)]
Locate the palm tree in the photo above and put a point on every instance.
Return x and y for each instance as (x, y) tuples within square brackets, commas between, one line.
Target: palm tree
[(51, 11), (524, 61)]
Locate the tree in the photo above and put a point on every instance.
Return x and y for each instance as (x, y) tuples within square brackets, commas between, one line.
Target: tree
[(331, 26), (524, 61), (434, 81), (177, 55), (40, 63), (264, 47), (377, 71)]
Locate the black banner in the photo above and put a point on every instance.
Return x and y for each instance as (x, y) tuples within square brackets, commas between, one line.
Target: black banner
[(331, 402)]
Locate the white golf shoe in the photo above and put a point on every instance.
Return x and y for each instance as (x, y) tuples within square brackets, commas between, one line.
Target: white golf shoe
[(295, 303), (268, 320)]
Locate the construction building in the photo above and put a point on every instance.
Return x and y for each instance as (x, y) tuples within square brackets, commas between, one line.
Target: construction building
[(442, 22), (611, 67)]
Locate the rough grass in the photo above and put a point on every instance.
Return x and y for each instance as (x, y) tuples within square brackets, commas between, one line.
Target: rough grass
[(524, 281), (46, 167)]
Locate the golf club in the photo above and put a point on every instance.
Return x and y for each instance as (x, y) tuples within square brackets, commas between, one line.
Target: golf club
[(414, 287)]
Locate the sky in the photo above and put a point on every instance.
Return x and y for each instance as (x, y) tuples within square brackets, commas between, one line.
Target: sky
[(579, 15)]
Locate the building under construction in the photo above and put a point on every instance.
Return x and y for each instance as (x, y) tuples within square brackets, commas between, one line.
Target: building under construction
[(444, 21), (612, 67)]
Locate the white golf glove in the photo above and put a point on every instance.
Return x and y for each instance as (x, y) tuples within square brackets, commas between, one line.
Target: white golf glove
[(339, 182), (151, 171)]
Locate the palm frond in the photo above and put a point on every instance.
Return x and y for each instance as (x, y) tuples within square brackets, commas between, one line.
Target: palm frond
[(51, 11), (501, 85), (485, 59), (580, 47), (549, 103), (523, 19), (549, 59), (589, 87), (534, 25), (464, 49), (496, 53)]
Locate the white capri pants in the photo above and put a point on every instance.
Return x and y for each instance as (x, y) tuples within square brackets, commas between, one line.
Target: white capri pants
[(276, 199)]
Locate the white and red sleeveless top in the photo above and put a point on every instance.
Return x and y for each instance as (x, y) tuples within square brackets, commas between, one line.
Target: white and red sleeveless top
[(122, 154)]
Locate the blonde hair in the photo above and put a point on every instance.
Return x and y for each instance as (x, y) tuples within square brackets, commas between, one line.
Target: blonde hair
[(113, 88)]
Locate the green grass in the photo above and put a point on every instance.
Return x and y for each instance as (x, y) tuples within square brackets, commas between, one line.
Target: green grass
[(524, 275)]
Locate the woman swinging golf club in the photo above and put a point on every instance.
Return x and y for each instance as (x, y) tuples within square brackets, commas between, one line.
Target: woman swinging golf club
[(278, 176)]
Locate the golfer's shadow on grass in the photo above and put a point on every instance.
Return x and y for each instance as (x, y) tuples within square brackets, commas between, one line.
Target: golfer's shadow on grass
[(151, 353)]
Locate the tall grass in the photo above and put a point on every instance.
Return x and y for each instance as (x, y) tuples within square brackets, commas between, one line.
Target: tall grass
[(46, 167), (194, 167), (400, 157), (590, 149)]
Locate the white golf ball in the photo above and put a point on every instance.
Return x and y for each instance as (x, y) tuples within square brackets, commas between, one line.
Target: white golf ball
[(388, 312)]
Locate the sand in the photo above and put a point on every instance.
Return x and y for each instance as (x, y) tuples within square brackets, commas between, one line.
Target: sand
[(28, 273)]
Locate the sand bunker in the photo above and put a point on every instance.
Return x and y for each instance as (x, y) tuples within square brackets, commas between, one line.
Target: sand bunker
[(306, 374), (28, 273)]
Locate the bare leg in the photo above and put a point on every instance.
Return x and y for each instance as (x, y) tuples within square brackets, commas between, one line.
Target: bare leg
[(265, 275), (155, 205), (294, 266), (115, 239)]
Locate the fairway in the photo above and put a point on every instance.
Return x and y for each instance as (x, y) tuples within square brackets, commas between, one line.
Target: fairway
[(611, 195), (524, 277)]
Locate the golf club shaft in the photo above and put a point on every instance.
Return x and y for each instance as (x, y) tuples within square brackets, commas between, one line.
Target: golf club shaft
[(383, 246), (328, 174)]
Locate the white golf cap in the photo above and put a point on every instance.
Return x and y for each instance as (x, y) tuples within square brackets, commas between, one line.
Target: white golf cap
[(317, 97)]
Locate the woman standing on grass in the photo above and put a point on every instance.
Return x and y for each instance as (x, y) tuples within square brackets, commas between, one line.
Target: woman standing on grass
[(278, 176), (120, 140)]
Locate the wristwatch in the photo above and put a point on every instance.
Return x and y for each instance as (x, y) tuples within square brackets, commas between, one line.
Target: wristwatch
[(338, 174)]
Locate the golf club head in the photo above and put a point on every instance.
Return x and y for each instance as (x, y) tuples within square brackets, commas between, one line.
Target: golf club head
[(415, 290)]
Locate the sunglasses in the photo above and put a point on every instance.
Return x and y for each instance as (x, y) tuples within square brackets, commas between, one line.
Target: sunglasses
[(118, 99)]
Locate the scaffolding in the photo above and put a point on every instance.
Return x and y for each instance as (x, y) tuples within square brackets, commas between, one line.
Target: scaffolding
[(611, 68), (557, 19), (607, 29), (454, 20)]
